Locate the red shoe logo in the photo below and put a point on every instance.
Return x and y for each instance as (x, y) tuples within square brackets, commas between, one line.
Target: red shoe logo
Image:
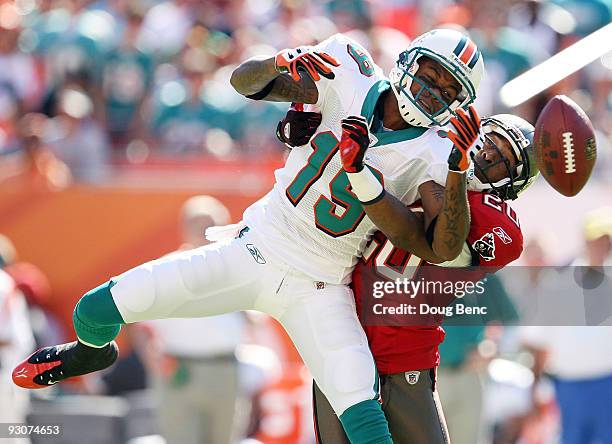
[(21, 377)]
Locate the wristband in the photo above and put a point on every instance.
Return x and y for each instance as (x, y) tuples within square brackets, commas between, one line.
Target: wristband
[(366, 186)]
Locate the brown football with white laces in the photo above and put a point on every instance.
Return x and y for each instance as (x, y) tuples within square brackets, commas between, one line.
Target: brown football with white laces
[(564, 143)]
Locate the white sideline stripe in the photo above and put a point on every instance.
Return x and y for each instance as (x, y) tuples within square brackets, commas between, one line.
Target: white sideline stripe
[(556, 68)]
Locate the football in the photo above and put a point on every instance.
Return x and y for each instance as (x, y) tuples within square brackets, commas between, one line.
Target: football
[(565, 145)]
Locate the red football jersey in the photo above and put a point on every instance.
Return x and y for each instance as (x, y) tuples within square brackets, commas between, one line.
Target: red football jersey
[(494, 240)]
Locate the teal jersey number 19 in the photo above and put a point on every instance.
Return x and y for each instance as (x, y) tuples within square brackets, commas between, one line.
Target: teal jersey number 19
[(325, 146)]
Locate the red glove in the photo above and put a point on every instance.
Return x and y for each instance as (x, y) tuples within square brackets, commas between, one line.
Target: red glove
[(305, 58), (467, 139), (354, 143)]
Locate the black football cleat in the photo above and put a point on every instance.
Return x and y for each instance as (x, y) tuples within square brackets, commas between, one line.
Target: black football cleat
[(50, 365)]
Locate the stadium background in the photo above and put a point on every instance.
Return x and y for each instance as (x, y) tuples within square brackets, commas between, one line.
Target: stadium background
[(113, 113)]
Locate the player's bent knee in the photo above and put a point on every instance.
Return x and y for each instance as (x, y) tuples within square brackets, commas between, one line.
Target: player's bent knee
[(350, 378), (353, 371)]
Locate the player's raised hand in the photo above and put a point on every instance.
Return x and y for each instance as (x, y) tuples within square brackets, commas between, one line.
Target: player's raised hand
[(297, 127), (467, 139), (308, 59), (354, 143)]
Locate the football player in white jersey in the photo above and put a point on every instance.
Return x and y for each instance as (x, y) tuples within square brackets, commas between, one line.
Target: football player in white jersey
[(504, 167), (292, 255)]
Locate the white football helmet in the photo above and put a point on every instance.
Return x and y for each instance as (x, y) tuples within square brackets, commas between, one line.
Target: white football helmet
[(519, 133), (457, 54)]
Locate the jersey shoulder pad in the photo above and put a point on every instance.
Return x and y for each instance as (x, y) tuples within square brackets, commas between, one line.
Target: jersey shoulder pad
[(495, 235), (348, 50), (357, 70)]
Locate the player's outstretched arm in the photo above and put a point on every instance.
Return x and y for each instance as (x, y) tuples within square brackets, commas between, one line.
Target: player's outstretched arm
[(282, 78), (439, 235), (404, 228), (444, 239), (450, 215), (258, 79), (447, 215)]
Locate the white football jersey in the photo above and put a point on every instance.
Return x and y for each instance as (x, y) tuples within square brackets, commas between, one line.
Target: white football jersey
[(311, 220)]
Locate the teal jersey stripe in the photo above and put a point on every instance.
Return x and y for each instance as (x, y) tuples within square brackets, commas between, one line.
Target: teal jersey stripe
[(389, 137), (369, 104), (386, 137)]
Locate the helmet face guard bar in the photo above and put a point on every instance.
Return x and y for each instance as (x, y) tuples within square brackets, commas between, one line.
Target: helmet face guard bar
[(403, 86), (505, 188)]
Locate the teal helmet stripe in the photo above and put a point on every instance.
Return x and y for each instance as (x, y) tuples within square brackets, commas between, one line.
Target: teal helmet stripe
[(460, 46)]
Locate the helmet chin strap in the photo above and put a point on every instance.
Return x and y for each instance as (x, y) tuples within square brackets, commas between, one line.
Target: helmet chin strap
[(473, 182)]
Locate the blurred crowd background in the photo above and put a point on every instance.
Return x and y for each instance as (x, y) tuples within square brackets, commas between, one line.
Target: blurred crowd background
[(145, 78), (113, 114)]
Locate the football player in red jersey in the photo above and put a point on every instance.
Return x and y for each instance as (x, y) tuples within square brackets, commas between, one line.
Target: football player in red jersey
[(406, 350)]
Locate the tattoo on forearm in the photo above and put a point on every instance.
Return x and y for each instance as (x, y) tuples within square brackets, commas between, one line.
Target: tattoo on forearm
[(438, 194), (449, 211), (451, 219), (252, 76), (287, 90)]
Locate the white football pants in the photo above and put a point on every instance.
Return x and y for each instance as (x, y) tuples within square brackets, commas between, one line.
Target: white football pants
[(237, 275)]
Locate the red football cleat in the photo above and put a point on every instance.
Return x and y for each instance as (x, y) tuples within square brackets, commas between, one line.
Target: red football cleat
[(37, 371), (50, 365)]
